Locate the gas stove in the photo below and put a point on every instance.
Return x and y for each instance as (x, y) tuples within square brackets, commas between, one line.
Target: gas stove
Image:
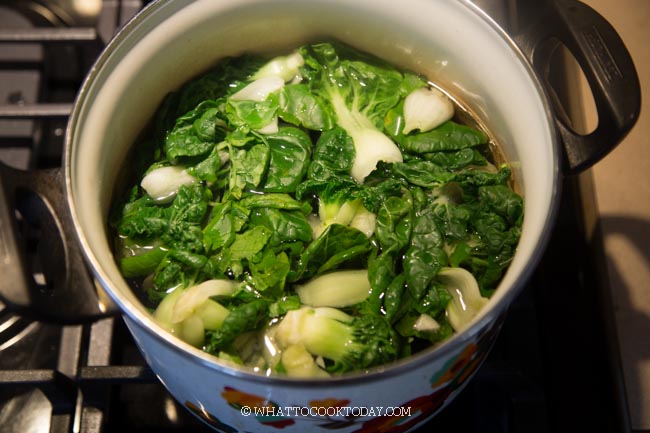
[(555, 366)]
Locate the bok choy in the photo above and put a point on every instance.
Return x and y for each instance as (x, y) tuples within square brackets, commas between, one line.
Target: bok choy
[(314, 213)]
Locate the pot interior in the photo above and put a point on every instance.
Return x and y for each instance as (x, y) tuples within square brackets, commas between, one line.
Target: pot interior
[(451, 42)]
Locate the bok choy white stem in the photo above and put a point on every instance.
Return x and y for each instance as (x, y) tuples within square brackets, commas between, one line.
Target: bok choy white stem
[(285, 67), (259, 89), (336, 289), (426, 108), (370, 144), (196, 295), (163, 183), (466, 300)]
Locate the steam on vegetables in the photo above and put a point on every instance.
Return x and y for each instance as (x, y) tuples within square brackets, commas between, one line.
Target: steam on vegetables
[(314, 214)]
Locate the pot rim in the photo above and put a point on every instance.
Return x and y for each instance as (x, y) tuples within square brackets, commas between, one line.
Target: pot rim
[(419, 359)]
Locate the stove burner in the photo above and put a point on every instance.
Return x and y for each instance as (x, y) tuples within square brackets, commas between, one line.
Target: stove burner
[(13, 328), (59, 12)]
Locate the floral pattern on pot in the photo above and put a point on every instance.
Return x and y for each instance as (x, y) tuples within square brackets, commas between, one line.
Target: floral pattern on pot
[(455, 367), (321, 413), (460, 368), (448, 380), (419, 409)]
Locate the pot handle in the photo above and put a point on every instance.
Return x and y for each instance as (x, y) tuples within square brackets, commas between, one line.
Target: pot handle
[(606, 63), (68, 293)]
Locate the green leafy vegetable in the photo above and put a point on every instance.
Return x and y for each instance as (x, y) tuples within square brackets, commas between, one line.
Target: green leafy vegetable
[(243, 318), (360, 91), (350, 343), (299, 106), (281, 216), (290, 153), (448, 136)]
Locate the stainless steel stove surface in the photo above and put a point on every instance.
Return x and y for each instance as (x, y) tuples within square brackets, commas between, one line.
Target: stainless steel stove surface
[(555, 366)]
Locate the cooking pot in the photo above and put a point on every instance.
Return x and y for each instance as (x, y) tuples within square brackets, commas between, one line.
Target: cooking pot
[(455, 45)]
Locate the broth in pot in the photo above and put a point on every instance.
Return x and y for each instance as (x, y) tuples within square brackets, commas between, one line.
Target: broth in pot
[(315, 213)]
